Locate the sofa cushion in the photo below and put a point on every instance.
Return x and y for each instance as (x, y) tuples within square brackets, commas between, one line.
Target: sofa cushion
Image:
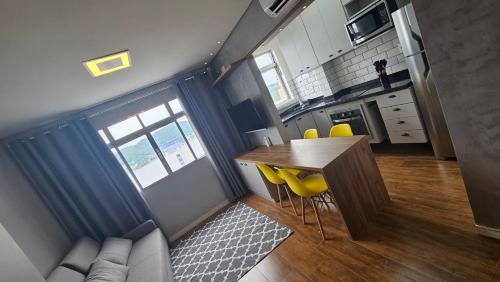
[(149, 260), (106, 271), (82, 255), (63, 274), (115, 250)]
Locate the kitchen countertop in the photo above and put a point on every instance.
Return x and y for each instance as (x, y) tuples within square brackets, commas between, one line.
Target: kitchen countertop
[(343, 96)]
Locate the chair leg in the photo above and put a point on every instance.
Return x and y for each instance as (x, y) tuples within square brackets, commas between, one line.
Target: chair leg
[(279, 194), (317, 217), (322, 196), (303, 209), (291, 202)]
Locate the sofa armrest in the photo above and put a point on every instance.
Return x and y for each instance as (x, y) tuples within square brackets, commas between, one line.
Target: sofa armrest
[(140, 231)]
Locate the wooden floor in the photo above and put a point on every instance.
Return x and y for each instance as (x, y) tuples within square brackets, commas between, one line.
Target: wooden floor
[(425, 234)]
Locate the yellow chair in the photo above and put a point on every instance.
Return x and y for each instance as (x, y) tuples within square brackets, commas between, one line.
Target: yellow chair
[(309, 187), (311, 134), (275, 178), (340, 130)]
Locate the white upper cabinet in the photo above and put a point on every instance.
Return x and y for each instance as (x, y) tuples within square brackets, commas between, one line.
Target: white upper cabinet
[(317, 36), (316, 30), (324, 21), (297, 48), (286, 40), (334, 18)]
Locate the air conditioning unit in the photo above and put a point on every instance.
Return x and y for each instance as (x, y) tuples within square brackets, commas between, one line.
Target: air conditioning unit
[(275, 8)]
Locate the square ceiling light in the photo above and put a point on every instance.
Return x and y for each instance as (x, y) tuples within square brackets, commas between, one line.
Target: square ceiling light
[(108, 64)]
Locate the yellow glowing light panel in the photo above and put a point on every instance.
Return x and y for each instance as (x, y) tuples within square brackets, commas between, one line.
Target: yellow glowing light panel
[(108, 64)]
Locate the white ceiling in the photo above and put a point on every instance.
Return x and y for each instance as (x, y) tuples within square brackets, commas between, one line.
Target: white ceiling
[(43, 44)]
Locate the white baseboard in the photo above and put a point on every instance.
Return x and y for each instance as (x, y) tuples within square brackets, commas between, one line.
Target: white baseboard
[(488, 231), (199, 220)]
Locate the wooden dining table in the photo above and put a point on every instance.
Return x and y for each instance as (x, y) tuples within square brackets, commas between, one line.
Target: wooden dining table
[(348, 166)]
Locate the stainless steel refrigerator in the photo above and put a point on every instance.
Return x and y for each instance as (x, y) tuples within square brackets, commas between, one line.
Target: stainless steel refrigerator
[(423, 83)]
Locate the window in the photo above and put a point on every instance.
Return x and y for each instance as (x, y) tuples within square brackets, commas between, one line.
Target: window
[(154, 143), (273, 78)]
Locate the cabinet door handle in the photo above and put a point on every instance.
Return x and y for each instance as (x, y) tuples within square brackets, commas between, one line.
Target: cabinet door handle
[(331, 55), (286, 125), (301, 70), (401, 122), (405, 134), (299, 119), (340, 51), (397, 109), (392, 96), (321, 112), (308, 67), (246, 164)]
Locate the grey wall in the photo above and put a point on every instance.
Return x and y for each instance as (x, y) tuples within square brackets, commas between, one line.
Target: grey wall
[(28, 220), (185, 195), (253, 26), (14, 265), (462, 39)]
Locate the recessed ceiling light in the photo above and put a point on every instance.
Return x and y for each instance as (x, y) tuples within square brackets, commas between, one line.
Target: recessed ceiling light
[(281, 29), (218, 42), (304, 7), (211, 54), (206, 63), (108, 64)]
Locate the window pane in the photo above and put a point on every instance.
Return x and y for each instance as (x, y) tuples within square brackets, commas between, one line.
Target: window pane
[(191, 136), (117, 156), (275, 86), (154, 115), (103, 136), (124, 128), (143, 161), (173, 146), (176, 106), (264, 60)]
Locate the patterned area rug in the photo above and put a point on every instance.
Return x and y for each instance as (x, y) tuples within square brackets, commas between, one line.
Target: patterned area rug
[(228, 246)]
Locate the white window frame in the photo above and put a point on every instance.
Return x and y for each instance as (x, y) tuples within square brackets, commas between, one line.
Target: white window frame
[(274, 65), (103, 121)]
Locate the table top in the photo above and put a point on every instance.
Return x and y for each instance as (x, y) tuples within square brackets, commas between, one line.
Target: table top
[(313, 154)]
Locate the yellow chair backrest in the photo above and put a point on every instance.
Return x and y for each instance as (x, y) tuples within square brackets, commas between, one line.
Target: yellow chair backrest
[(340, 130), (311, 134), (295, 184), (270, 174)]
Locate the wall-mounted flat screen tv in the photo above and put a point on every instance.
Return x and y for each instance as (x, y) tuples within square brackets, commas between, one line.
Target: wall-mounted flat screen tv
[(245, 117)]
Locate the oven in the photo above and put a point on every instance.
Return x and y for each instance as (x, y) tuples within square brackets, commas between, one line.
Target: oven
[(370, 22), (352, 117)]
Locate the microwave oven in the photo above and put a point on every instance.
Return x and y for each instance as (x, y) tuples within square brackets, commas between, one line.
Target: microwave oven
[(370, 22)]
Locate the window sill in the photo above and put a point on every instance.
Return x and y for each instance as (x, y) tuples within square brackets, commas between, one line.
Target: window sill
[(285, 105)]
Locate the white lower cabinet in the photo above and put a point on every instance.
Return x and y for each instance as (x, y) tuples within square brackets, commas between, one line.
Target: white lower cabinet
[(323, 121), (408, 136), (253, 179), (292, 130), (401, 117), (305, 122)]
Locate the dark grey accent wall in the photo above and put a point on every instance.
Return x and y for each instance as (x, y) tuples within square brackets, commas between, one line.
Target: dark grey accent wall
[(27, 219), (253, 26), (246, 83), (462, 39)]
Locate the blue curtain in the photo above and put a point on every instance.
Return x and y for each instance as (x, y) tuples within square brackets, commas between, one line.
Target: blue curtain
[(206, 108), (80, 181)]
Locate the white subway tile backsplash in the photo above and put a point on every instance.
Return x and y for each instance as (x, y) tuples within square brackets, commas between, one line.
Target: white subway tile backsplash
[(389, 36), (352, 68), (393, 52), (384, 47), (357, 59), (374, 43), (349, 56), (360, 50)]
